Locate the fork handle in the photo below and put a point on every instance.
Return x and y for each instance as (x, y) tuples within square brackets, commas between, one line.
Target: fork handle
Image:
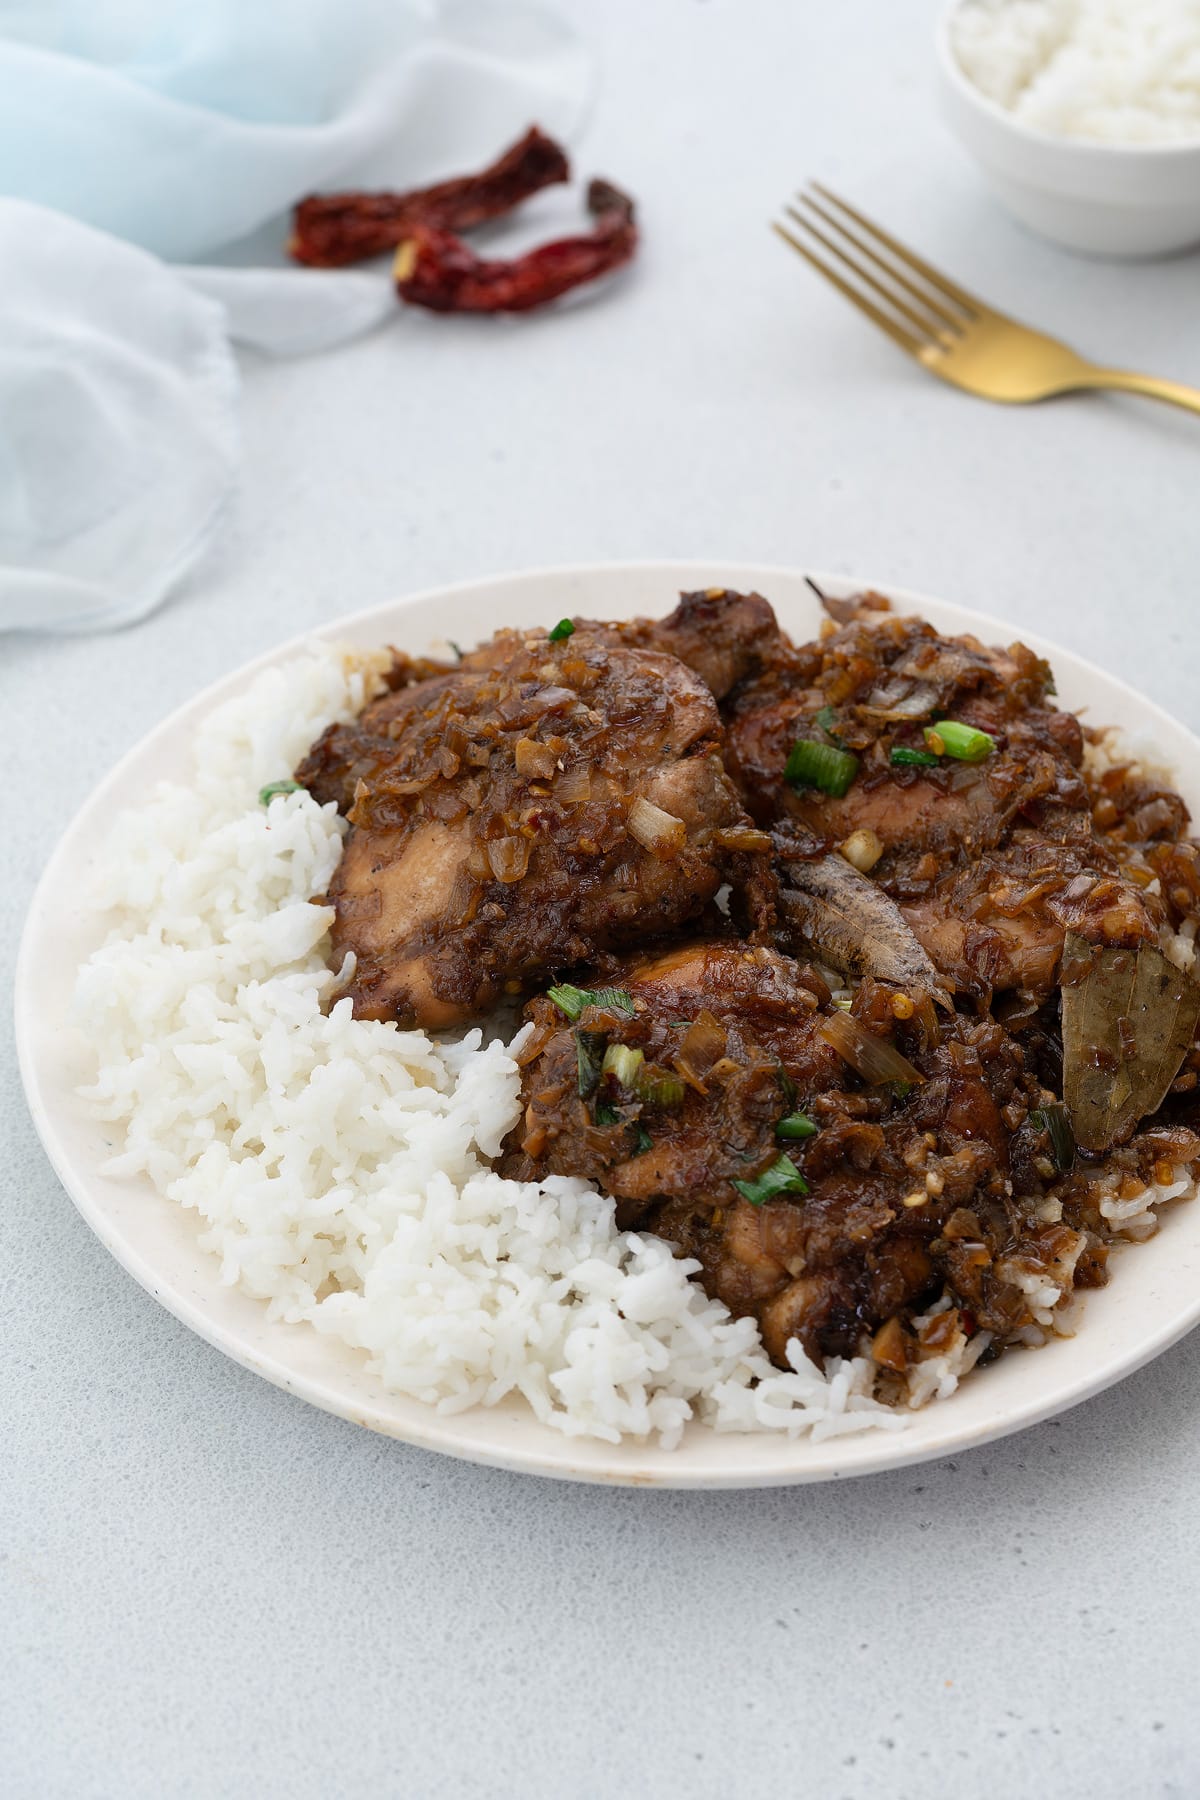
[(1149, 386)]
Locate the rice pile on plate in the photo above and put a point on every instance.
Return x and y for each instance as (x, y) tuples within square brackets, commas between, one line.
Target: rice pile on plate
[(339, 1168)]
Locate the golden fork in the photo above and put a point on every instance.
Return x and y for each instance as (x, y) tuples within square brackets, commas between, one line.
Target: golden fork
[(951, 333)]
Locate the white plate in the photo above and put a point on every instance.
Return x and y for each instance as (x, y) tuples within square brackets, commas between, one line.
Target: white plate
[(1152, 1300)]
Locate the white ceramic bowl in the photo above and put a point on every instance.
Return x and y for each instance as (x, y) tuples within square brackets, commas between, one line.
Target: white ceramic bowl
[(1103, 199)]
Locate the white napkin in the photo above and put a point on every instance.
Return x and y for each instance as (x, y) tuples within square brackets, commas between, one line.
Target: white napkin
[(118, 424), (190, 130)]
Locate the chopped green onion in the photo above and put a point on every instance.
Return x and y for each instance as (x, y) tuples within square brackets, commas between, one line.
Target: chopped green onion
[(913, 759), (656, 1088), (572, 1000), (623, 1063), (827, 720), (457, 648), (589, 1057), (960, 741), (820, 766), (267, 794), (1056, 1120), (563, 629), (643, 1140), (606, 1114), (616, 1000), (783, 1177), (796, 1125)]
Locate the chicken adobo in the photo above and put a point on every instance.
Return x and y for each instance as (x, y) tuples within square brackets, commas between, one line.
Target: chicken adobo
[(853, 976)]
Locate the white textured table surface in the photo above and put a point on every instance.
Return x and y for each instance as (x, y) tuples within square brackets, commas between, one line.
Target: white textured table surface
[(211, 1589)]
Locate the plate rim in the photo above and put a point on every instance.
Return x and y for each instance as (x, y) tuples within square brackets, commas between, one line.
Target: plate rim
[(872, 1453)]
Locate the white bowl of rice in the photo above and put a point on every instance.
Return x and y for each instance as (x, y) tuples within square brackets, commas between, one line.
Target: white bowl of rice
[(1083, 114)]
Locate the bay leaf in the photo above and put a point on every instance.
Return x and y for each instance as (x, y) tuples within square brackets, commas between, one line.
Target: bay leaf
[(1129, 1018)]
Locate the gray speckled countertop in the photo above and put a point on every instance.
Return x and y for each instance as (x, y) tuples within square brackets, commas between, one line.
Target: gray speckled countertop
[(212, 1589)]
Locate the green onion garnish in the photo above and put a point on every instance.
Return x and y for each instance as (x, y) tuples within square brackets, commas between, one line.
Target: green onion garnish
[(572, 1000), (589, 1057), (827, 720), (951, 738), (820, 766), (643, 1140), (606, 1114), (267, 794), (562, 630), (656, 1088), (1056, 1120), (623, 1063), (913, 759), (783, 1177), (796, 1125)]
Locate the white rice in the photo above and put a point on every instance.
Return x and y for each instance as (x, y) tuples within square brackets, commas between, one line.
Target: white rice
[(338, 1166), (1114, 71)]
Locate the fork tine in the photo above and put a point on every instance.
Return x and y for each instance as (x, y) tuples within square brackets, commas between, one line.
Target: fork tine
[(940, 283), (954, 321), (894, 331), (924, 326)]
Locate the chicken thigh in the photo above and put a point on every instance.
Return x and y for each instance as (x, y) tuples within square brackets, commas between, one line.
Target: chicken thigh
[(538, 805)]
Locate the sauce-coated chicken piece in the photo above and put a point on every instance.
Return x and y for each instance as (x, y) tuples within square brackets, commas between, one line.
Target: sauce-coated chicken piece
[(722, 636), (991, 862), (538, 805), (725, 1082), (902, 1192), (1000, 922), (871, 686)]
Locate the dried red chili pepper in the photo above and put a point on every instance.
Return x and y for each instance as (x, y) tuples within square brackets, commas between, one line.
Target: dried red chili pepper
[(436, 269), (331, 230)]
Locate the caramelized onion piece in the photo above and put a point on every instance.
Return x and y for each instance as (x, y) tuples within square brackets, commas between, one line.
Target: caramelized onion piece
[(889, 1347), (703, 1045), (509, 857), (464, 899), (534, 759), (863, 849), (655, 830), (743, 837), (574, 787), (900, 698), (876, 1059)]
